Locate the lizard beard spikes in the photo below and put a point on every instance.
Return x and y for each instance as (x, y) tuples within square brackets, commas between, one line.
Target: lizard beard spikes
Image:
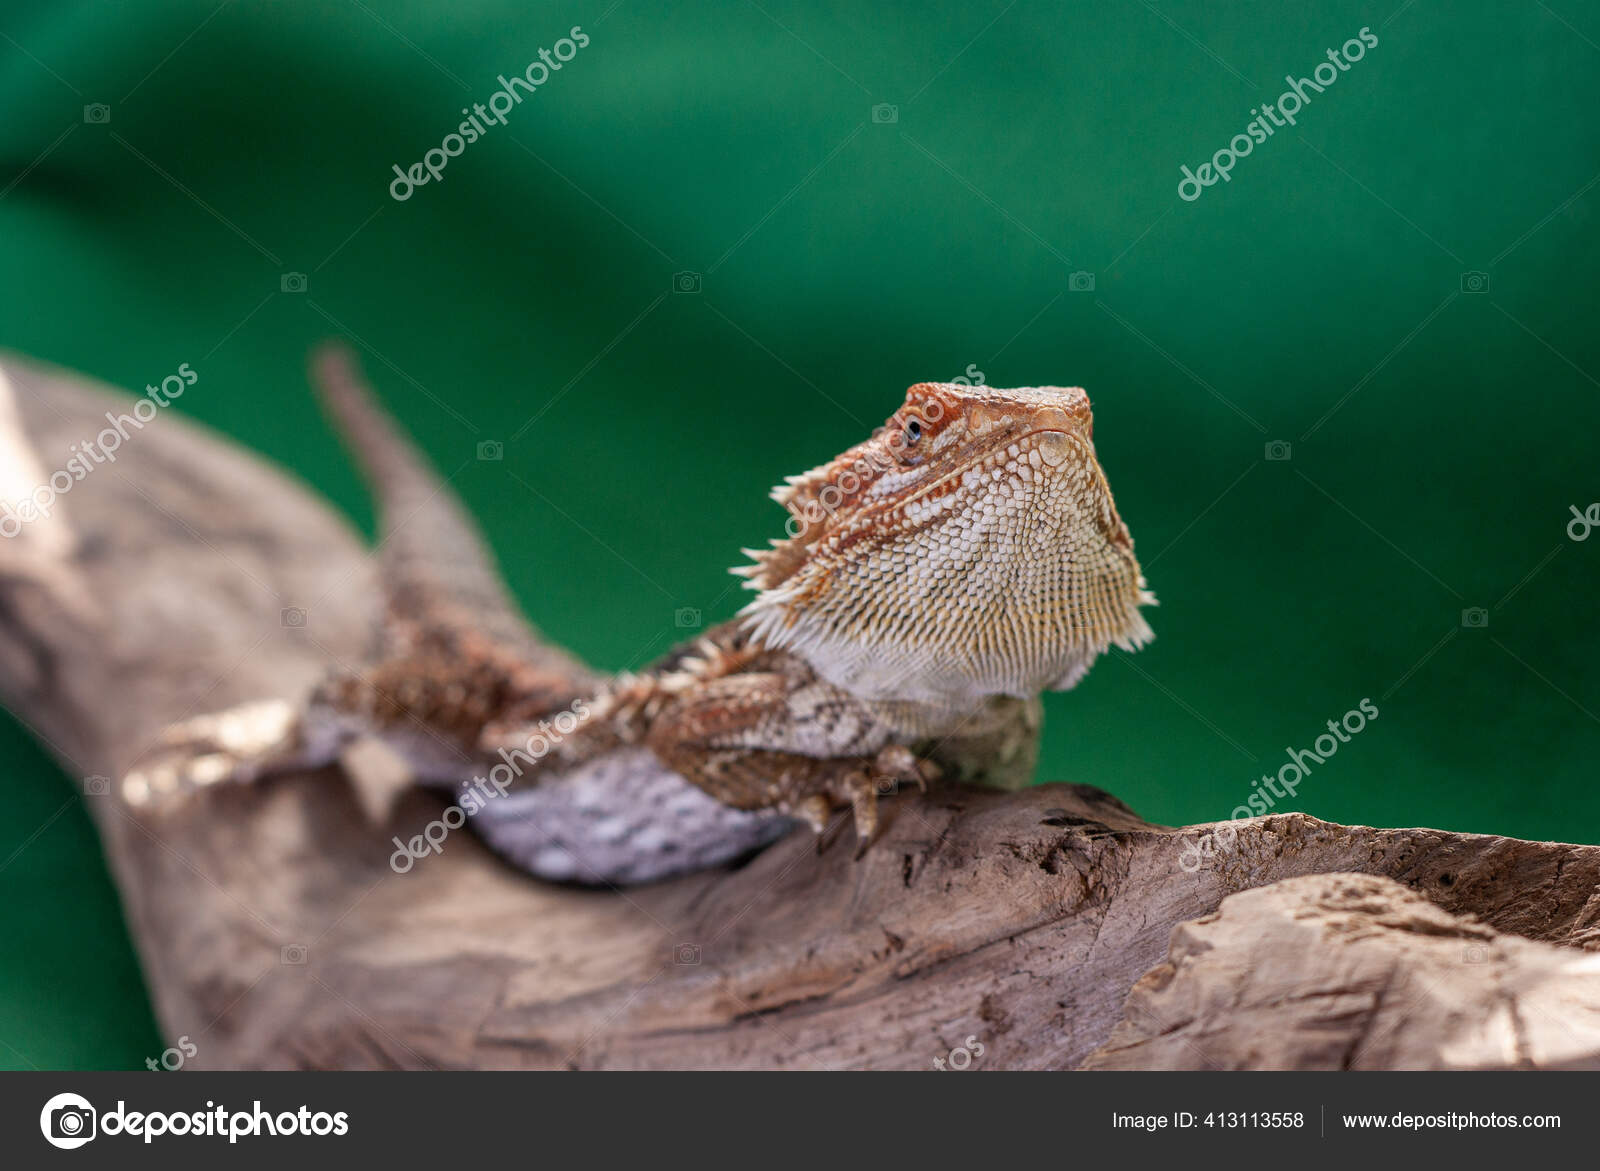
[(970, 548)]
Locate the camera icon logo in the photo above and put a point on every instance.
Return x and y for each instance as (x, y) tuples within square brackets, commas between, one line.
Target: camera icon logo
[(687, 954), (1474, 282), (1080, 282), (885, 115), (1474, 617), (1279, 450), (293, 617), (67, 1121), (96, 786), (1475, 953), (292, 953), (292, 282), (686, 618), (491, 451), (97, 113), (685, 282)]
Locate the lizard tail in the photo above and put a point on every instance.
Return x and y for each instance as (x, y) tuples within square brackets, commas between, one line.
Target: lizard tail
[(394, 469), (437, 570)]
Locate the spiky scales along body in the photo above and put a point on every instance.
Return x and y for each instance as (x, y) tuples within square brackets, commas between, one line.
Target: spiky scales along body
[(934, 579)]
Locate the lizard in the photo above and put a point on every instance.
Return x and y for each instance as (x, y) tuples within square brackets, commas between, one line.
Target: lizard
[(932, 581)]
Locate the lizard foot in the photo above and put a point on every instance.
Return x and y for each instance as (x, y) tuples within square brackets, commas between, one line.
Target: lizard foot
[(237, 744), (858, 789), (817, 811), (894, 765)]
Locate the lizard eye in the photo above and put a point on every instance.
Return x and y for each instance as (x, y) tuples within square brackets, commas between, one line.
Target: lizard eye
[(913, 431)]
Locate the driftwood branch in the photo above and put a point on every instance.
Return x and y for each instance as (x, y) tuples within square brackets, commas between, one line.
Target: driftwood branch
[(1414, 987), (275, 934)]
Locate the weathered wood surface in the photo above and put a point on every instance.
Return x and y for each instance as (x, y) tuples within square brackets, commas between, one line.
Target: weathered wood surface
[(275, 934), (1350, 971)]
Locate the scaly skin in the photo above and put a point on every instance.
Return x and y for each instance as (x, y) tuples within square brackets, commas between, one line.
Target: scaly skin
[(934, 580)]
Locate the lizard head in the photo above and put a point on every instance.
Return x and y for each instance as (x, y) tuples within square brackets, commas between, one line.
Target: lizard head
[(969, 548)]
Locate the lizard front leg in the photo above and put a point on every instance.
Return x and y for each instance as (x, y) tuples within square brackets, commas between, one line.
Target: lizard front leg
[(753, 741), (237, 744)]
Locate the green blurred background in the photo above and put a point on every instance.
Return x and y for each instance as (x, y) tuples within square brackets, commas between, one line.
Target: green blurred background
[(1438, 433)]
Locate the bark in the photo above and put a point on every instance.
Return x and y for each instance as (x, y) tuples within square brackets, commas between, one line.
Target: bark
[(274, 933), (1348, 971)]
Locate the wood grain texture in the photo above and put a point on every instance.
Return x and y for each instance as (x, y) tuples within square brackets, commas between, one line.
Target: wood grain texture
[(1351, 971), (275, 934)]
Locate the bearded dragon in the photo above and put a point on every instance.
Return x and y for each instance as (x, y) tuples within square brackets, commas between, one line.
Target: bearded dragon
[(933, 580)]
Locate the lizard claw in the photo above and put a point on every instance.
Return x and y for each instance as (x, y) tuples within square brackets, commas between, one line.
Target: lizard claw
[(891, 766), (864, 804), (897, 763)]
